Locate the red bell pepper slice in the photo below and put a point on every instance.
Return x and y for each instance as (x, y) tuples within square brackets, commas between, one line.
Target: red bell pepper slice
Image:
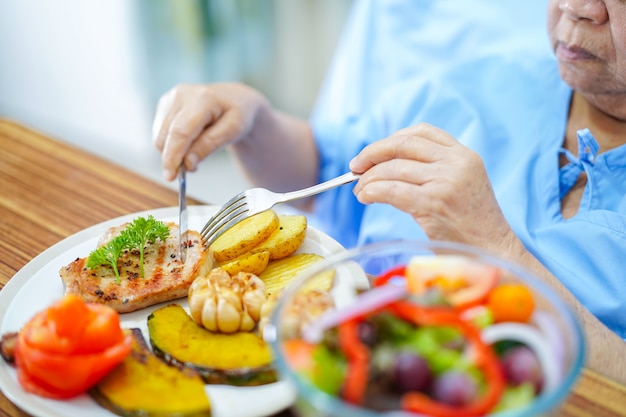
[(486, 360), (358, 362), (398, 271)]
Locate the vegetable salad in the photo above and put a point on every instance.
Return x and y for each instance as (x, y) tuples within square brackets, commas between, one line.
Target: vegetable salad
[(441, 336)]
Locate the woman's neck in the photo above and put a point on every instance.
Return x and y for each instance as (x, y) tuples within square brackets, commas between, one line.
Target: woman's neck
[(609, 131)]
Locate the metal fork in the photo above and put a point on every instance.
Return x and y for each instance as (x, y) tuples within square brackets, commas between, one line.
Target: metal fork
[(256, 200)]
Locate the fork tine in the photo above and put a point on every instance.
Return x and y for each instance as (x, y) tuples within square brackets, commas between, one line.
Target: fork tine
[(218, 228), (216, 224), (256, 200), (236, 201)]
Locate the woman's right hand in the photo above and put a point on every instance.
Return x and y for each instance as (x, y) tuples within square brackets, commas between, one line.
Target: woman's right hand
[(192, 121)]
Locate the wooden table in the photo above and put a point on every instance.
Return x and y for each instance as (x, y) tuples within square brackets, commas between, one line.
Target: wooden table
[(50, 190)]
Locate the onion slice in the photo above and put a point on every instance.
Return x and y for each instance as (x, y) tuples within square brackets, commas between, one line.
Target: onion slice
[(532, 338), (367, 302)]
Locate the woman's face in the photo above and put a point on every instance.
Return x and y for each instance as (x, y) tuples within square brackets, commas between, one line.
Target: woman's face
[(589, 40)]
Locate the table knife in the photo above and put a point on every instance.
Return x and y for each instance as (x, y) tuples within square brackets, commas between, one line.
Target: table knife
[(182, 213)]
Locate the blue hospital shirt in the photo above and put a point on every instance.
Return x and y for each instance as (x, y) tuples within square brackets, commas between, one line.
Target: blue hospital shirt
[(489, 78)]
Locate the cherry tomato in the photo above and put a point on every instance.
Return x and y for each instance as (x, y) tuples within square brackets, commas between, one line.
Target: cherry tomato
[(511, 302), (299, 354)]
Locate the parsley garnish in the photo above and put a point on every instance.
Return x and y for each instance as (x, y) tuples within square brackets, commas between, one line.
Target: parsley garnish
[(135, 236), (108, 255), (143, 231)]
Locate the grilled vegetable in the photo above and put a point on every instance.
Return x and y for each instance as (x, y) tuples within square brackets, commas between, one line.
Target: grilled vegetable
[(241, 358), (225, 304), (145, 386), (7, 346), (306, 307)]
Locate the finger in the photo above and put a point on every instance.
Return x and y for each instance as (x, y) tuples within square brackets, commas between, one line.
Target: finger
[(185, 127), (405, 196), (418, 200), (422, 142), (402, 170), (225, 130)]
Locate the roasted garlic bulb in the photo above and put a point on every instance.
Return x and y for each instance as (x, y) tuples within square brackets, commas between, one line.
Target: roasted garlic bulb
[(304, 309), (221, 303)]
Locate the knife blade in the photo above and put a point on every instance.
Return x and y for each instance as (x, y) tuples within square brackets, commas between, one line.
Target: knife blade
[(182, 213)]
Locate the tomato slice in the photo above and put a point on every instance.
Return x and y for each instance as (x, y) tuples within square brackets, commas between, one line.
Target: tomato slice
[(57, 375), (68, 316), (463, 281), (68, 347), (101, 332)]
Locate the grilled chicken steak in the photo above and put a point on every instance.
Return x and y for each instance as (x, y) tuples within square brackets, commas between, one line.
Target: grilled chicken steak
[(165, 276)]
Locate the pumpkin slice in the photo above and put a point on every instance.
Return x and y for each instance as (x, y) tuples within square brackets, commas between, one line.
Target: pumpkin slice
[(241, 358), (145, 386)]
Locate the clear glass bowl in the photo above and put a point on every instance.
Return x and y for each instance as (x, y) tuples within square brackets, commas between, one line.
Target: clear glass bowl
[(553, 332)]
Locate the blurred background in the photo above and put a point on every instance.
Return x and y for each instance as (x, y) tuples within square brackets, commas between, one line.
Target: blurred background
[(90, 73)]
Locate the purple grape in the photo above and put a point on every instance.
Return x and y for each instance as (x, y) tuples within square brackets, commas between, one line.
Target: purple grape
[(367, 333), (520, 365), (411, 372), (454, 388)]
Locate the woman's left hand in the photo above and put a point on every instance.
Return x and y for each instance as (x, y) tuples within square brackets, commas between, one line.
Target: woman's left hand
[(442, 184)]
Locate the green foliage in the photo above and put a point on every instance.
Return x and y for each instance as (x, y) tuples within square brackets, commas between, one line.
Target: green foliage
[(108, 254), (143, 231), (135, 236)]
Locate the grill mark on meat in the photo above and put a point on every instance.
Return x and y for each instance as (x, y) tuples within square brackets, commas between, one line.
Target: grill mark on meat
[(166, 277)]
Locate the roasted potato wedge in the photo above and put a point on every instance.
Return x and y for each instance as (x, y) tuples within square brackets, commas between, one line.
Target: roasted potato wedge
[(244, 236), (322, 282), (282, 271), (287, 238), (252, 262)]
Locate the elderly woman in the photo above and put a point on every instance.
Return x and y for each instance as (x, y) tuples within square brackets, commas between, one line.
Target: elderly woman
[(486, 133)]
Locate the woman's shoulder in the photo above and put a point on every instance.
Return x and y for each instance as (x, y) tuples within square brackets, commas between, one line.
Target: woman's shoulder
[(491, 88), (390, 44)]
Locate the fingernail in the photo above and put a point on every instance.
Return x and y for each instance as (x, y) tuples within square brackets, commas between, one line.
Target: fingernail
[(168, 175), (191, 161), (353, 164)]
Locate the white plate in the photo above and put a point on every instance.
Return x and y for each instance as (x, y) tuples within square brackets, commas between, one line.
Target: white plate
[(38, 284)]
